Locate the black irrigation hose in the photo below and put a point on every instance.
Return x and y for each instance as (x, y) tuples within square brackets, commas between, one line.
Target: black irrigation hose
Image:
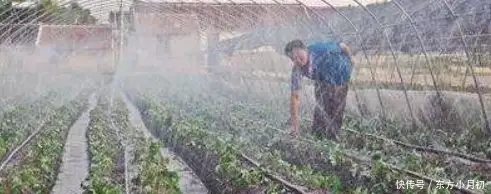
[(9, 156), (33, 135), (423, 149), (122, 140), (268, 173), (366, 163), (287, 184), (392, 167), (404, 171)]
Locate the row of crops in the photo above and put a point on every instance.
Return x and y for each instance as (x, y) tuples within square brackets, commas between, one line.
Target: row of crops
[(234, 141), (32, 140), (34, 135), (123, 159), (240, 145)]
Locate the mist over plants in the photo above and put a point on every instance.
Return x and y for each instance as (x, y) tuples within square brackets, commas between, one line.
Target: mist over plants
[(162, 97)]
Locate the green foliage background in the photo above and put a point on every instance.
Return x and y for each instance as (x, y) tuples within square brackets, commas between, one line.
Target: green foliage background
[(46, 11)]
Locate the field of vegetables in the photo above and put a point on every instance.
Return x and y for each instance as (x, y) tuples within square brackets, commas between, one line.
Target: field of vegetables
[(238, 145), (171, 134)]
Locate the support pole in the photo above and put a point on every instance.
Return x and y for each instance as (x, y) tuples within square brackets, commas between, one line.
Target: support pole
[(213, 54), (113, 44), (121, 30)]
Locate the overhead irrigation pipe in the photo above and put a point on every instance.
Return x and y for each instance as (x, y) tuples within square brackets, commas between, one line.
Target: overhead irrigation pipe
[(362, 160)]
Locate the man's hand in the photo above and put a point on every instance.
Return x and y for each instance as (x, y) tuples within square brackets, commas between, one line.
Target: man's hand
[(291, 129), (346, 50), (294, 133)]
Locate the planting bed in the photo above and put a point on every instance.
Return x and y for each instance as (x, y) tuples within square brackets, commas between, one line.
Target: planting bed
[(27, 119), (201, 122), (32, 166), (75, 162), (42, 141), (188, 180), (123, 160)]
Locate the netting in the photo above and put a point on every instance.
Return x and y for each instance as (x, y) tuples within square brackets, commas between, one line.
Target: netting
[(417, 107)]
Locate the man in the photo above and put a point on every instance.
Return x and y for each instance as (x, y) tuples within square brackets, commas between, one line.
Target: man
[(329, 64)]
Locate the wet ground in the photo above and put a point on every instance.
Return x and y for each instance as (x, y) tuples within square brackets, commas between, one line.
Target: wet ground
[(75, 163)]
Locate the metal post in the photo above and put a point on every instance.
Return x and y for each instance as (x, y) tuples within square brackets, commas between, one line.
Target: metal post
[(113, 43), (121, 44), (121, 40)]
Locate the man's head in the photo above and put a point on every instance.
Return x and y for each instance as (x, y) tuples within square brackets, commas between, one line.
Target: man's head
[(297, 52)]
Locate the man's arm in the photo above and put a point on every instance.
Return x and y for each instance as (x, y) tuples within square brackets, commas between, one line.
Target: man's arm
[(346, 51)]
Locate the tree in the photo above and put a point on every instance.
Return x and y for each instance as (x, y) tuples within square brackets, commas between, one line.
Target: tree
[(46, 11), (49, 7), (76, 14), (5, 9)]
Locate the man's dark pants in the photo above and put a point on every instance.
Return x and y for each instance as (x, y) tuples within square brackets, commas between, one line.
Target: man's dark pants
[(329, 111)]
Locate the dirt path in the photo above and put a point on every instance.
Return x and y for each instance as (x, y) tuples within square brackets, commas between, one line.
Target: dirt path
[(75, 166), (188, 180)]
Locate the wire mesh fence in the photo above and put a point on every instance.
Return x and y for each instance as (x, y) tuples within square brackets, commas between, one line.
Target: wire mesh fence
[(421, 74)]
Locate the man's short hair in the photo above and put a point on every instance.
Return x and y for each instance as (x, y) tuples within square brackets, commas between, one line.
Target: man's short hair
[(294, 44)]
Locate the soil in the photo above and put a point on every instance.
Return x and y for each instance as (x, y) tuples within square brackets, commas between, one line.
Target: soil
[(75, 166)]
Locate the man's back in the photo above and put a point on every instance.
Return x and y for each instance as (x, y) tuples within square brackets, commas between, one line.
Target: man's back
[(331, 64)]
